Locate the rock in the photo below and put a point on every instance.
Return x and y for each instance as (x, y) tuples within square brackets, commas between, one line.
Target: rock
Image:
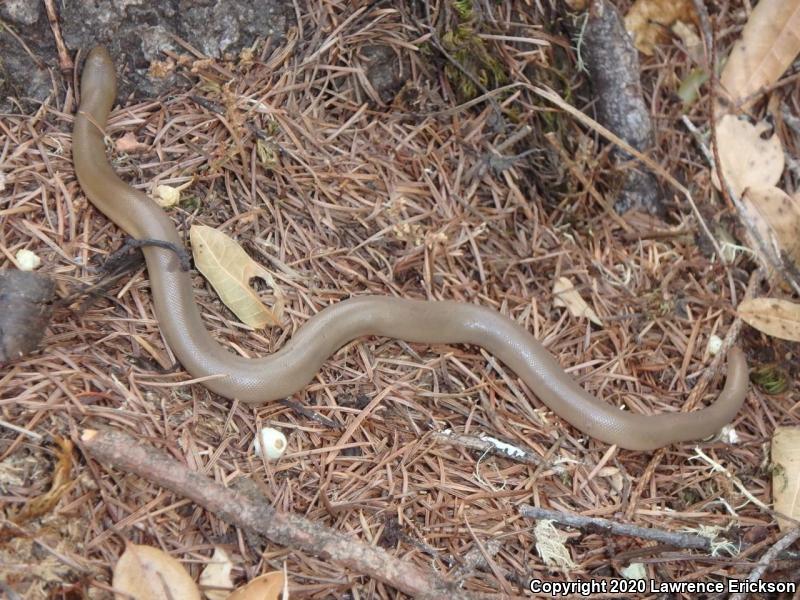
[(384, 71), (21, 12), (136, 32)]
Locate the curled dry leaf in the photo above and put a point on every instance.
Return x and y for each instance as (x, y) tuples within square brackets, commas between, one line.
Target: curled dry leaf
[(786, 474), (775, 317), (264, 587), (229, 269), (147, 573), (747, 159), (217, 575), (566, 295), (648, 21), (769, 44)]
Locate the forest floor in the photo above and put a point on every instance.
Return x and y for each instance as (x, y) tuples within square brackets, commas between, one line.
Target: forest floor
[(291, 150)]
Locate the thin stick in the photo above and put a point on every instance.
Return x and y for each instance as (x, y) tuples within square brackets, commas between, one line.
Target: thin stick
[(120, 450), (489, 445), (64, 59), (552, 96), (598, 525), (769, 556)]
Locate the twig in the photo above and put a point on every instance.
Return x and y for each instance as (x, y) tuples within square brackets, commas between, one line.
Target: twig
[(552, 96), (753, 284), (490, 445), (64, 59), (718, 468), (120, 450), (598, 525), (21, 430), (587, 185), (769, 556)]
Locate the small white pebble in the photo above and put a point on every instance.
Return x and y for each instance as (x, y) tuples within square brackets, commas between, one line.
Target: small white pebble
[(27, 260), (714, 345), (273, 442)]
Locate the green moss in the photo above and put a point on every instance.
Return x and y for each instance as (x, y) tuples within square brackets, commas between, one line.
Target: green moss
[(472, 55), (770, 378), (190, 203), (463, 8)]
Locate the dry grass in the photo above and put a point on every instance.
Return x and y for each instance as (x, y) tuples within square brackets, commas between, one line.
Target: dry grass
[(364, 198)]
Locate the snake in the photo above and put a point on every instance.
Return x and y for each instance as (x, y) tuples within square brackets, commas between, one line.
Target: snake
[(292, 367)]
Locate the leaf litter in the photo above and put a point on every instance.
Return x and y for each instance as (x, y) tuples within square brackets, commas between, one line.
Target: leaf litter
[(320, 209)]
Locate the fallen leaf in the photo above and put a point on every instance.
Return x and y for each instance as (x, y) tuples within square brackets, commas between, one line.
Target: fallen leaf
[(690, 39), (786, 474), (781, 213), (747, 159), (769, 44), (129, 144), (567, 296), (147, 573), (44, 503), (648, 21), (229, 269), (217, 574), (773, 316), (264, 587)]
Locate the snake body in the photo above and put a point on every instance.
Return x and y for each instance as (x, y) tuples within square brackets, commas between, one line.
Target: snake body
[(288, 370)]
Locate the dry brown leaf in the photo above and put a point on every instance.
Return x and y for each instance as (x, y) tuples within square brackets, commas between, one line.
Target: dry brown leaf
[(786, 474), (775, 317), (781, 213), (769, 44), (217, 574), (649, 21), (229, 269), (129, 144), (747, 159), (567, 296), (264, 587), (147, 573)]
